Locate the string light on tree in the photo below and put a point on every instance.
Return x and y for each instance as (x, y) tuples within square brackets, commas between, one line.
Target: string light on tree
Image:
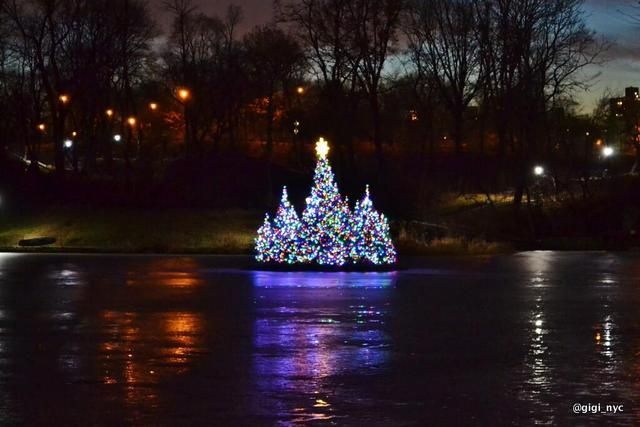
[(328, 233), (325, 220), (287, 227), (265, 241), (370, 234)]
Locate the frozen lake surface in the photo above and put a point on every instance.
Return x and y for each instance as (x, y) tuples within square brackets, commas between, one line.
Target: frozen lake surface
[(146, 340)]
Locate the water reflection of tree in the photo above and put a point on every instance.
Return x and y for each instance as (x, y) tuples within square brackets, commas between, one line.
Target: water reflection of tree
[(311, 330)]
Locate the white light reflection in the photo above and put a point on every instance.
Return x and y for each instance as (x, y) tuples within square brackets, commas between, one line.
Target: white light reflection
[(604, 338), (67, 275), (4, 257), (537, 265), (537, 374)]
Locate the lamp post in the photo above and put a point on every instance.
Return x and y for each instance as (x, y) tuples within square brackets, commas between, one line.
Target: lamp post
[(607, 153), (184, 95), (59, 126)]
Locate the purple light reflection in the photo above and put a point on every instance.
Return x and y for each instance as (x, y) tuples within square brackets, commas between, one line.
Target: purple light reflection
[(312, 330), (274, 279)]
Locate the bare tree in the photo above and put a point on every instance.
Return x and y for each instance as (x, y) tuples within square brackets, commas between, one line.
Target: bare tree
[(374, 36), (531, 53), (443, 45), (324, 29), (274, 59)]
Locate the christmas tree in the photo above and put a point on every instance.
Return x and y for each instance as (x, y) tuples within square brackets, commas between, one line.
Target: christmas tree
[(325, 220), (286, 229), (328, 233), (265, 242), (371, 242)]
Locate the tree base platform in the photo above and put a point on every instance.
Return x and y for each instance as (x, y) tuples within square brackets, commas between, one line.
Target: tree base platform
[(355, 268)]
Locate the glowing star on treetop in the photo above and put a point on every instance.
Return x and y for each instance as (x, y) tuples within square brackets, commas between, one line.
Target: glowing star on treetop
[(322, 148)]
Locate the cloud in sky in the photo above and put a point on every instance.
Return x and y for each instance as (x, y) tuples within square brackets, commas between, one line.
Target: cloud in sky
[(615, 21), (255, 12)]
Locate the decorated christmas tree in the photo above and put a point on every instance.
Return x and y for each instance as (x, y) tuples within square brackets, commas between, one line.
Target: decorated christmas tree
[(265, 241), (286, 229), (325, 220), (371, 242), (328, 233)]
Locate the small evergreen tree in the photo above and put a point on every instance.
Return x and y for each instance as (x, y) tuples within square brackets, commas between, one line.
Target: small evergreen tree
[(370, 237), (286, 231), (264, 241)]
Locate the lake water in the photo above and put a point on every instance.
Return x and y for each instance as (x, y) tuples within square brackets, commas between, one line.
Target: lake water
[(145, 340)]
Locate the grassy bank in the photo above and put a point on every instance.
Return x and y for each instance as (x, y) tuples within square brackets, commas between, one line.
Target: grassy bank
[(178, 231), (172, 231)]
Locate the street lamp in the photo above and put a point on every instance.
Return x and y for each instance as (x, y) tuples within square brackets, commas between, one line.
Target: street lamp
[(42, 127), (109, 113), (117, 138), (68, 143), (153, 106), (184, 94), (64, 99), (300, 90), (132, 121), (538, 170), (607, 152)]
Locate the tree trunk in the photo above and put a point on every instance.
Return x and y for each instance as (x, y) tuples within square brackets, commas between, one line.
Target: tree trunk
[(58, 145), (377, 132), (269, 148)]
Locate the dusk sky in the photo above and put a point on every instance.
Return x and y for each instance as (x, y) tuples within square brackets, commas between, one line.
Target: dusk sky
[(606, 17)]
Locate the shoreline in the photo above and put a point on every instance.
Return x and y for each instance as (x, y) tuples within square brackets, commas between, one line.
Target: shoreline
[(205, 253)]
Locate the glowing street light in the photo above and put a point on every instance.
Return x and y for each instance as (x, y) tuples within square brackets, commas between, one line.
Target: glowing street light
[(117, 138), (109, 113), (74, 134), (538, 171), (184, 94), (153, 106), (68, 143), (64, 99), (300, 90), (132, 121), (607, 152), (42, 127)]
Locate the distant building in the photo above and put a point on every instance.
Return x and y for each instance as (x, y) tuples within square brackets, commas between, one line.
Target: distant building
[(629, 102)]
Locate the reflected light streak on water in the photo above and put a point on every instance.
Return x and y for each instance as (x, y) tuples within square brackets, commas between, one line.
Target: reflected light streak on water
[(326, 331)]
